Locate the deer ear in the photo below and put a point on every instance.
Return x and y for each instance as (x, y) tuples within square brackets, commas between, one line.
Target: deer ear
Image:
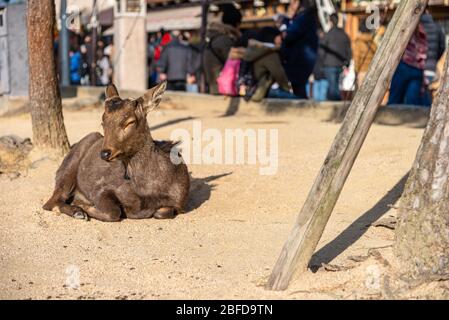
[(111, 91), (151, 99)]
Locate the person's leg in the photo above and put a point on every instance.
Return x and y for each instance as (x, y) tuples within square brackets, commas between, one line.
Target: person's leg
[(299, 89), (399, 84), (332, 75), (320, 89), (323, 89), (263, 85), (414, 94)]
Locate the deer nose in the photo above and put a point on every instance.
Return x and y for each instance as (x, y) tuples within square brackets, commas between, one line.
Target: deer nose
[(105, 154)]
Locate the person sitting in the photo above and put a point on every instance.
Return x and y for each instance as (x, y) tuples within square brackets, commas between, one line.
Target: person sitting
[(262, 54)]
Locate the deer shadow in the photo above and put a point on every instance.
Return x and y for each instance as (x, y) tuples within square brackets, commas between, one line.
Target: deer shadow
[(200, 190)]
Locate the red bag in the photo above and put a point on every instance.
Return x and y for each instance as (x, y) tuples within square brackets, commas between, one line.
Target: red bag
[(227, 80)]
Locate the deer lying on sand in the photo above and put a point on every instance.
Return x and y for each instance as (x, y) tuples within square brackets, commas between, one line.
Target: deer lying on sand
[(125, 173)]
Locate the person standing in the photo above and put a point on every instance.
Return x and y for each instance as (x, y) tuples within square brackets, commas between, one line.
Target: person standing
[(300, 45), (75, 66), (175, 63), (85, 66), (337, 54), (407, 85), (220, 38), (320, 84), (103, 69)]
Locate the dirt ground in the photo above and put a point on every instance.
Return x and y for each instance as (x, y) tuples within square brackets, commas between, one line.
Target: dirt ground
[(226, 246)]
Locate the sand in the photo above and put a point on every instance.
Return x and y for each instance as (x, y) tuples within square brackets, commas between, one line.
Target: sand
[(226, 246)]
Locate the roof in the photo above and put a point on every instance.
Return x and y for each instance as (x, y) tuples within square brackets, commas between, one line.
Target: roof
[(187, 18)]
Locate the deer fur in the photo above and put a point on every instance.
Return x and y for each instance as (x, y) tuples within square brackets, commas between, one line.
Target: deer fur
[(125, 173)]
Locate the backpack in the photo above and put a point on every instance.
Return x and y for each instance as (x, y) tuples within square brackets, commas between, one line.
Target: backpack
[(227, 80)]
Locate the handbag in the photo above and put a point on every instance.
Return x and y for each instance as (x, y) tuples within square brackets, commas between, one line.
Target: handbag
[(227, 80)]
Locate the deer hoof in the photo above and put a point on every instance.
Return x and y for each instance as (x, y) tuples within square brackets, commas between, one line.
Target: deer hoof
[(81, 215)]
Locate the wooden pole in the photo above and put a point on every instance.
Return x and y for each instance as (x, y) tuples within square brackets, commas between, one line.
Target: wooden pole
[(204, 12), (315, 213)]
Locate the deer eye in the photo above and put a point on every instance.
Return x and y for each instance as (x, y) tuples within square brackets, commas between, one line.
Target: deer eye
[(129, 124)]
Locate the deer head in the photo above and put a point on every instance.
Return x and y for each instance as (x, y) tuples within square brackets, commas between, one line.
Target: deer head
[(125, 123)]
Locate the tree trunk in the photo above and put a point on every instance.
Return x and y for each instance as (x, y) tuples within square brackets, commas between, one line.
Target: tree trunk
[(45, 99), (422, 234)]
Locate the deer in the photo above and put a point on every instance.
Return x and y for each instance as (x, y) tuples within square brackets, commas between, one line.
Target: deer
[(125, 173)]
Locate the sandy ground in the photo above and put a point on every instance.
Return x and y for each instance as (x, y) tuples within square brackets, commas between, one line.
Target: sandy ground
[(226, 246)]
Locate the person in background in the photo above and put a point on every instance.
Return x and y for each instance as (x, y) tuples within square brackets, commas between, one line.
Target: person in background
[(300, 45), (220, 38), (363, 50), (407, 85), (320, 84), (103, 69), (194, 42), (337, 54), (262, 53), (75, 66), (436, 45), (84, 67), (175, 63), (165, 39), (150, 62)]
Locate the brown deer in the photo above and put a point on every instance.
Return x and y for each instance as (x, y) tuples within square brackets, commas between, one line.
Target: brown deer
[(125, 173)]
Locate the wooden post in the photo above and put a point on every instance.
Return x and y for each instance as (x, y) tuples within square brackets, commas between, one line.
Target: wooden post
[(326, 189), (204, 13)]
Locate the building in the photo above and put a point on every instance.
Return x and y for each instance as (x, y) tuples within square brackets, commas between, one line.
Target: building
[(355, 10), (13, 49)]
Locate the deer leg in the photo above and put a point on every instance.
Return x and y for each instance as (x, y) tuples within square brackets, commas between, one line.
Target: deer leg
[(58, 204), (66, 179), (141, 214), (106, 208), (132, 203), (165, 213)]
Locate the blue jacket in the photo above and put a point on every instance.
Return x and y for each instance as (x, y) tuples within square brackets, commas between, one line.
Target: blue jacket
[(75, 66), (300, 45)]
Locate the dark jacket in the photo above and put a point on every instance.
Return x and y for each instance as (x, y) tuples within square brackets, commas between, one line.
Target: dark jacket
[(318, 71), (220, 38), (337, 48), (436, 42), (176, 61), (300, 46)]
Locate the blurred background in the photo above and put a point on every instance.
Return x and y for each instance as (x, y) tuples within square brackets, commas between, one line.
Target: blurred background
[(137, 43)]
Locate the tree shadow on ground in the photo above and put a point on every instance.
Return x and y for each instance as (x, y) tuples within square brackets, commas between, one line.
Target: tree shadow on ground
[(352, 233), (171, 122), (201, 189), (391, 115)]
